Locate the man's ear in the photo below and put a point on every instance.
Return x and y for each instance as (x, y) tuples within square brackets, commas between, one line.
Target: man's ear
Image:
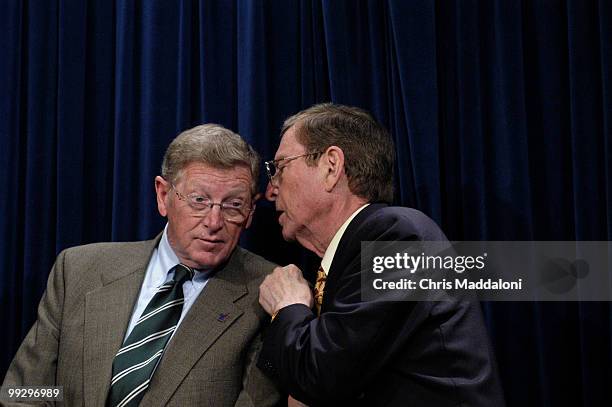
[(252, 212), (162, 189), (333, 165)]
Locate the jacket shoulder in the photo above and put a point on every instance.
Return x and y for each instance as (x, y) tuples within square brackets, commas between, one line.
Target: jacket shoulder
[(254, 265), (108, 251), (401, 222)]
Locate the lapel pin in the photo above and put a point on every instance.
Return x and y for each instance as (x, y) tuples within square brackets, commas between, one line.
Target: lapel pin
[(222, 317)]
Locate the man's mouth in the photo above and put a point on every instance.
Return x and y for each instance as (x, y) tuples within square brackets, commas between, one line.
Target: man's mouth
[(210, 240)]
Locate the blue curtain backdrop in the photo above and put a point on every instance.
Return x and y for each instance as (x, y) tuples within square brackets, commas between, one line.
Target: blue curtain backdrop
[(501, 112)]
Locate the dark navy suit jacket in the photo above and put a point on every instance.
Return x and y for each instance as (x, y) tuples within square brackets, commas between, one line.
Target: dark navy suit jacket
[(360, 353)]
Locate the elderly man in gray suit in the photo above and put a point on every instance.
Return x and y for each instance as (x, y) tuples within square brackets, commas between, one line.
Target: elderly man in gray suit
[(170, 321)]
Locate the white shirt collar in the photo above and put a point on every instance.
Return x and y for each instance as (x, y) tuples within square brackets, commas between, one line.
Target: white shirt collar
[(328, 257), (167, 259)]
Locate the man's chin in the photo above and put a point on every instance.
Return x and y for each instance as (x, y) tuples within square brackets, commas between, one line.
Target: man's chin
[(207, 262), (288, 234), (204, 265)]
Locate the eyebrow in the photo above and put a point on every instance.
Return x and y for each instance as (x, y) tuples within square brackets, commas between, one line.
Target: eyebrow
[(237, 193), (284, 157), (197, 189)]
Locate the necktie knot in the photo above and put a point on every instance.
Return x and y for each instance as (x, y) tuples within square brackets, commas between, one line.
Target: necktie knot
[(183, 273)]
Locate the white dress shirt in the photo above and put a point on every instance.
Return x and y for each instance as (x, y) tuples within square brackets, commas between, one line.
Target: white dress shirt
[(328, 257), (158, 273)]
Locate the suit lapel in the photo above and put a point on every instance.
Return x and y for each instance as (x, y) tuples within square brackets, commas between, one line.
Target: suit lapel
[(348, 247), (210, 316), (108, 310)]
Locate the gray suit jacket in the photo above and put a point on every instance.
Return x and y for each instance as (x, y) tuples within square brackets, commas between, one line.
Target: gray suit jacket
[(85, 311)]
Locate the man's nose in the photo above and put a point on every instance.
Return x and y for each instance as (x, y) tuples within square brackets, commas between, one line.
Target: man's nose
[(271, 192), (214, 218)]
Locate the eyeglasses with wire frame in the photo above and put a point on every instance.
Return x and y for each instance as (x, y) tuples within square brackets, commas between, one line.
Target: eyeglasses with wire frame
[(235, 211), (273, 167)]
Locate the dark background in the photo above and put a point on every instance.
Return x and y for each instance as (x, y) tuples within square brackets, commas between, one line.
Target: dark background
[(501, 112)]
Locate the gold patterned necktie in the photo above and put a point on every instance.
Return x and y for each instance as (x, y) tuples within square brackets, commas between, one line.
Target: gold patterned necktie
[(318, 289)]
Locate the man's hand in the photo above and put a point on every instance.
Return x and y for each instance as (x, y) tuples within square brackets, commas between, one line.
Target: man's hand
[(285, 286), (291, 402)]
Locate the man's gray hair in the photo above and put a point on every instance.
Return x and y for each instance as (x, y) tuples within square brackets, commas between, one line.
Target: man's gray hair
[(213, 145), (367, 146)]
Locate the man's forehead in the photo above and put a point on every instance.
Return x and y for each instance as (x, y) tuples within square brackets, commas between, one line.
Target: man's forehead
[(204, 174), (289, 145)]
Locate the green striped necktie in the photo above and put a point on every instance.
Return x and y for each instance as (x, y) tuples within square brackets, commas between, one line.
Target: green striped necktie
[(141, 352)]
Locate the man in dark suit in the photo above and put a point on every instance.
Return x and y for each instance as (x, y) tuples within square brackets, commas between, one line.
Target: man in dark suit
[(330, 180), (169, 321)]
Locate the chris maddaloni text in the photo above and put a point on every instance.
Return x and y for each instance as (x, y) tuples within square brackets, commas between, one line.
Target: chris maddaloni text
[(444, 284)]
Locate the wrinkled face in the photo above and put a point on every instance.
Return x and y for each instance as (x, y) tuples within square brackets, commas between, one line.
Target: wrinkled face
[(297, 191), (204, 241)]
